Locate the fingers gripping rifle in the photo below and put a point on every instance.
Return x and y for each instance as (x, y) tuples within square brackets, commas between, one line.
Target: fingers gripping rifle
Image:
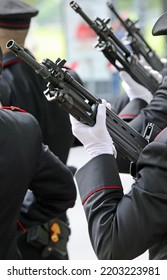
[(114, 50), (73, 97), (137, 42)]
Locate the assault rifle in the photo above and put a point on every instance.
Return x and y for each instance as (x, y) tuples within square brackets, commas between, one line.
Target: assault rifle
[(114, 50), (137, 42), (82, 105)]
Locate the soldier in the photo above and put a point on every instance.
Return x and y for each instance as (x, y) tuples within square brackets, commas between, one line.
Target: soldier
[(23, 87), (123, 226), (26, 162)]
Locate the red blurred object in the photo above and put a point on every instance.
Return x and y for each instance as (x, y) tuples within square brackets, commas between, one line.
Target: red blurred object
[(84, 32)]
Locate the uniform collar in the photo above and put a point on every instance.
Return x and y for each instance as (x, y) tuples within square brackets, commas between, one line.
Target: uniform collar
[(10, 58)]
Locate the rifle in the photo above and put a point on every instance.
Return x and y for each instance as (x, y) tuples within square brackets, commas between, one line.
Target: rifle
[(81, 104), (137, 41), (116, 52)]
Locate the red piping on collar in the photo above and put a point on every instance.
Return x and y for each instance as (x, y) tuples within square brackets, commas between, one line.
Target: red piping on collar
[(14, 61), (12, 108)]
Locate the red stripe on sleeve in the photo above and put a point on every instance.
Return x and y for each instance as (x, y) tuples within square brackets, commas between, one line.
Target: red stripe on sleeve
[(100, 189)]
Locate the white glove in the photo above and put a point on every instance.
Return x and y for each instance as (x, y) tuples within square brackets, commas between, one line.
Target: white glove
[(134, 89), (164, 61), (154, 73), (107, 104), (96, 139)]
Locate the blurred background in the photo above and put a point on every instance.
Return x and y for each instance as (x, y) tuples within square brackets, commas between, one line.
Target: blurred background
[(58, 31)]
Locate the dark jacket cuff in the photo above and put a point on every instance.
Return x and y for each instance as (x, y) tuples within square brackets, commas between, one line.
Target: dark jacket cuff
[(99, 173)]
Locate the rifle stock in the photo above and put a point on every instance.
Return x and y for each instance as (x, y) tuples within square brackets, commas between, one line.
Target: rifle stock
[(81, 104)]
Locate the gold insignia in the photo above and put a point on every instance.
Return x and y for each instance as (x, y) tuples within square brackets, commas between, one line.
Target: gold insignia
[(56, 231)]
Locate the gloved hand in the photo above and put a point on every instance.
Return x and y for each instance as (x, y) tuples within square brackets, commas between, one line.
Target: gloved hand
[(154, 73), (164, 69), (164, 61), (107, 104), (134, 89), (157, 75), (96, 139)]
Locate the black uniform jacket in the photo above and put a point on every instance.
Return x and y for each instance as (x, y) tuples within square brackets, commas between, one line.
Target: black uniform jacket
[(21, 86), (125, 226), (27, 163), (155, 112)]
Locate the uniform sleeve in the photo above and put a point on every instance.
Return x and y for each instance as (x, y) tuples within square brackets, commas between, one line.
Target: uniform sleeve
[(125, 226), (53, 190), (119, 103), (155, 112), (132, 109)]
